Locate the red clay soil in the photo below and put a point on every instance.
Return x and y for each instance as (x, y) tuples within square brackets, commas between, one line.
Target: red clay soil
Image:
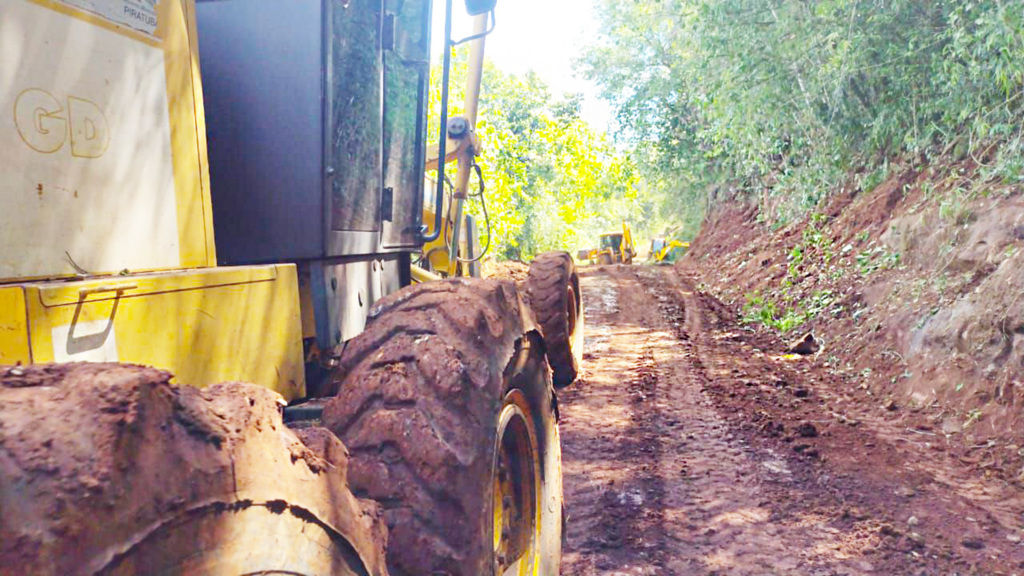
[(99, 463), (921, 283), (513, 270), (692, 446)]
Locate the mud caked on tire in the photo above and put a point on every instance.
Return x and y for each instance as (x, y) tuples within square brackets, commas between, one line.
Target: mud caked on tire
[(605, 259), (553, 291), (110, 469), (446, 405)]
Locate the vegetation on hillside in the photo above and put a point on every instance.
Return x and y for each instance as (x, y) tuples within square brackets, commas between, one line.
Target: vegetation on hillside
[(787, 101)]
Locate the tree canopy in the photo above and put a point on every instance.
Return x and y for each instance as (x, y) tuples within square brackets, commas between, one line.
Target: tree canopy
[(553, 182), (786, 98), (782, 101)]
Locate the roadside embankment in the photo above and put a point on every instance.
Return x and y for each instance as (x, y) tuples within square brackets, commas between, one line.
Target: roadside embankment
[(914, 289)]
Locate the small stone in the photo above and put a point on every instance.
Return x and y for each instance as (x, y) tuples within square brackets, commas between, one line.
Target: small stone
[(972, 544), (913, 521), (801, 392), (905, 491), (806, 345), (807, 430), (951, 426), (888, 530), (1013, 538)]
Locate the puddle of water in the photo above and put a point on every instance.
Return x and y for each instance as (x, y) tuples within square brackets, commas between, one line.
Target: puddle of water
[(601, 296), (777, 466), (633, 498), (601, 299)]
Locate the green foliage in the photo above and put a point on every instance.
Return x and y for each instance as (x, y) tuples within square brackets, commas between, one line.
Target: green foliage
[(876, 258), (815, 243), (973, 416), (760, 309), (553, 183), (953, 208), (781, 99)]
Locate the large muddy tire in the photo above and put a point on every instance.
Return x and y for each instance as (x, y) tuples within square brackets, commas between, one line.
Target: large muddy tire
[(605, 259), (110, 469), (553, 291), (446, 404)]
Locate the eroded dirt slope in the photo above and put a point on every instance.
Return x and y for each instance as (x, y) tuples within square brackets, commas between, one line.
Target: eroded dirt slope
[(691, 446), (913, 287)]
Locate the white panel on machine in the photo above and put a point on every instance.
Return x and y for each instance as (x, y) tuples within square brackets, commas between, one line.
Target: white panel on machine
[(85, 147), (85, 342)]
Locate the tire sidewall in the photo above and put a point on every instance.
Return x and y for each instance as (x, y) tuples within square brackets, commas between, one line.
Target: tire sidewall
[(540, 395)]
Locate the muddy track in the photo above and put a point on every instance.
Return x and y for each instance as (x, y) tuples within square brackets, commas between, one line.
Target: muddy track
[(692, 447)]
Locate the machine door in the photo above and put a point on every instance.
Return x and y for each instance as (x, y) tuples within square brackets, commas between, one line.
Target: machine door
[(406, 82), (354, 76)]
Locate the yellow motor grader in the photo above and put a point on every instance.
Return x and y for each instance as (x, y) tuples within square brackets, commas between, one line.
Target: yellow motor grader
[(325, 389)]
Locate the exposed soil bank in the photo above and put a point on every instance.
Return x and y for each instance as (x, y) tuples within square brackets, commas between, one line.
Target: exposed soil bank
[(916, 291)]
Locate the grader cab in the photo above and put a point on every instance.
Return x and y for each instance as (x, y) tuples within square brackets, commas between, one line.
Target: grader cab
[(147, 371)]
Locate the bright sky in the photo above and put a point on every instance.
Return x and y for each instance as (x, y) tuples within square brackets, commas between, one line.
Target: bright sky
[(540, 35)]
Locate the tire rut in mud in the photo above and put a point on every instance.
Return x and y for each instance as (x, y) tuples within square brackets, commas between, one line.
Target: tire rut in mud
[(710, 466), (867, 491), (613, 424), (632, 520)]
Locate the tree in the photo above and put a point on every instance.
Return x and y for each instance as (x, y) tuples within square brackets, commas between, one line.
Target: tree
[(552, 181), (782, 99)]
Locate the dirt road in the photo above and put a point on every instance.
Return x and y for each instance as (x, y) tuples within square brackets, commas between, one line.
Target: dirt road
[(692, 446)]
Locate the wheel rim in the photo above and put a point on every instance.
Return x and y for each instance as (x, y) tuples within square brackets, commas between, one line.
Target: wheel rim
[(571, 311), (516, 490)]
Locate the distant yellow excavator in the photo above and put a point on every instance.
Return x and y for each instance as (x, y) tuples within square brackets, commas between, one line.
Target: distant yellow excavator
[(613, 247), (661, 248)]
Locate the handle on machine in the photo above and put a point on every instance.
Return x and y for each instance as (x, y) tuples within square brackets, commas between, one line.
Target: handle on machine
[(119, 288)]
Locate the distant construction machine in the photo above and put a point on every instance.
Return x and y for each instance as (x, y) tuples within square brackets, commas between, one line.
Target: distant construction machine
[(663, 249), (613, 248)]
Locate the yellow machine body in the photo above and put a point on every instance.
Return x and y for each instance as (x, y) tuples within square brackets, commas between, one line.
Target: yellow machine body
[(662, 248), (436, 256), (613, 247), (206, 326), (106, 236)]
